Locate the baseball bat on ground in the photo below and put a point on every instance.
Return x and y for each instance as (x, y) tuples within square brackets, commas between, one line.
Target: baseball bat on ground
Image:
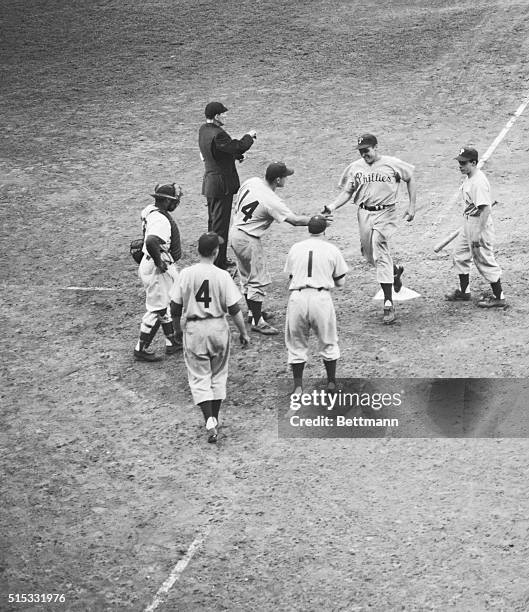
[(446, 240)]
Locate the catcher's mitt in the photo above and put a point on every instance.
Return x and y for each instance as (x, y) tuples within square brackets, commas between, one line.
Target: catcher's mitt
[(136, 251)]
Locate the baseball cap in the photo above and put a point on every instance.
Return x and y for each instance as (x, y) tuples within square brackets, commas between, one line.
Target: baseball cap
[(467, 154), (317, 224), (171, 192), (214, 108), (366, 140), (207, 243), (277, 170)]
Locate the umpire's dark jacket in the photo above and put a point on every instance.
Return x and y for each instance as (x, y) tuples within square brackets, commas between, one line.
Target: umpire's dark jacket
[(220, 151)]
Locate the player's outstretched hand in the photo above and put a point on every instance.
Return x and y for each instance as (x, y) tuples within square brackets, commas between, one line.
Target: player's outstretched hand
[(329, 218), (326, 210), (244, 339)]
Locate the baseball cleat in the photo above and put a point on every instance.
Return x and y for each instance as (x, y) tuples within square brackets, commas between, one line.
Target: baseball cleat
[(492, 302), (146, 355), (331, 388), (389, 315), (172, 349), (458, 296), (397, 282), (267, 316), (211, 427), (265, 328)]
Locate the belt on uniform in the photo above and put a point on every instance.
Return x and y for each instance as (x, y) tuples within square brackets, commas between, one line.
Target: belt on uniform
[(315, 288), (377, 207), (201, 318), (246, 233)]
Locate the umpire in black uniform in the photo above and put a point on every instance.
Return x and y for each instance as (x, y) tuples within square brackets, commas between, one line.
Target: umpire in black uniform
[(221, 181)]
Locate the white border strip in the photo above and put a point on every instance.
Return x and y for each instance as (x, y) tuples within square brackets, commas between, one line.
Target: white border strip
[(177, 570), (486, 156)]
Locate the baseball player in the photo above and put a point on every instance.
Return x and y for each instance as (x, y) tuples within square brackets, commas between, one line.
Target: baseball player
[(372, 183), (315, 266), (204, 294), (257, 207), (476, 240), (157, 271)]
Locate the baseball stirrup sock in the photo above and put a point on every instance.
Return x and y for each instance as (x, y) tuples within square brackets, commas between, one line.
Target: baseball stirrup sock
[(496, 289), (215, 408), (255, 308), (464, 279), (330, 368), (387, 288), (206, 409), (297, 373)]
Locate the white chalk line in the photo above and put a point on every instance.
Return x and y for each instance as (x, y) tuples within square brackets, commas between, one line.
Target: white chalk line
[(177, 570), (485, 157), (5, 286)]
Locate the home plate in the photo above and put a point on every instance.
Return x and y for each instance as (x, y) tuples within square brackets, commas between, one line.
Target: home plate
[(403, 295)]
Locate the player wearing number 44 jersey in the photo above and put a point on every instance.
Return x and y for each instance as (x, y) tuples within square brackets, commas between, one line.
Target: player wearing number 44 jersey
[(257, 207), (314, 266), (203, 295)]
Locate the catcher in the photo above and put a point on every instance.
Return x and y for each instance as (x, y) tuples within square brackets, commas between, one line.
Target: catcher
[(157, 271)]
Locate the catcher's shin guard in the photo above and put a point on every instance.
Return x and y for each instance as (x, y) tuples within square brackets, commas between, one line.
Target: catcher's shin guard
[(147, 337)]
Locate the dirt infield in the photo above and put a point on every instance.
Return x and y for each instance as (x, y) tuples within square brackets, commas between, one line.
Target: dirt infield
[(107, 479)]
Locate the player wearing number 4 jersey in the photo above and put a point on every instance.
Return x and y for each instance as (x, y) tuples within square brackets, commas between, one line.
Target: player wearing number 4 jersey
[(203, 295), (315, 267), (257, 207)]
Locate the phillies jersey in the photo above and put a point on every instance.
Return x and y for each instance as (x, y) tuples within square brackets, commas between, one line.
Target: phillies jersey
[(257, 207), (205, 291), (376, 184), (314, 263), (476, 192)]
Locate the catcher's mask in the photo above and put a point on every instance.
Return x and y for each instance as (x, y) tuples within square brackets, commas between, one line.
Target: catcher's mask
[(167, 192)]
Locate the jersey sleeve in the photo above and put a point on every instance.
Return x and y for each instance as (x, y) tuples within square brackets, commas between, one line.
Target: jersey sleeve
[(175, 293), (277, 209), (288, 263), (340, 267), (404, 169), (481, 194), (233, 295), (345, 181)]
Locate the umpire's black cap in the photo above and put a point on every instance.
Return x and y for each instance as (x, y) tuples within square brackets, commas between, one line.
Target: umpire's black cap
[(214, 108)]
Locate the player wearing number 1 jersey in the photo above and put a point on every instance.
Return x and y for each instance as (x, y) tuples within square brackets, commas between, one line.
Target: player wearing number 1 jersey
[(315, 266), (203, 295), (257, 207)]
